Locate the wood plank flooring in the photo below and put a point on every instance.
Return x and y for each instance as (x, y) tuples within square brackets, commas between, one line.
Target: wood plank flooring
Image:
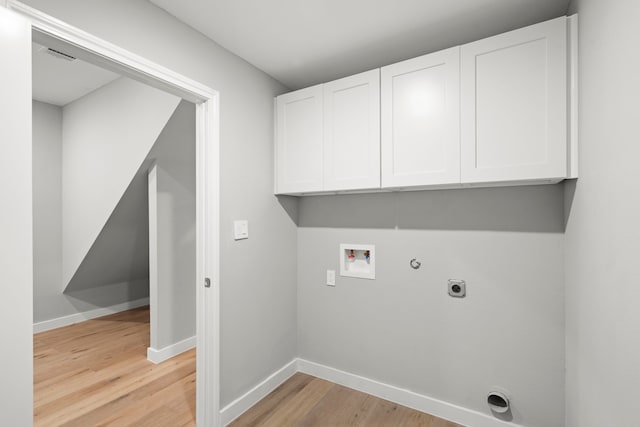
[(306, 401), (96, 373)]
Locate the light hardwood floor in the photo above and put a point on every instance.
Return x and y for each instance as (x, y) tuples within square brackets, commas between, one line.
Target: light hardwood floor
[(96, 373), (306, 401)]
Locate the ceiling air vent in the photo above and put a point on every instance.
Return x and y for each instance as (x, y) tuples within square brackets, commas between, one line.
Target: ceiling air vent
[(59, 54)]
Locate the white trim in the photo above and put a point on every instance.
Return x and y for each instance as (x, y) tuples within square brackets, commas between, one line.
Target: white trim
[(98, 51), (438, 408), (152, 188), (111, 56), (276, 191), (47, 325), (159, 356), (419, 402), (573, 104), (239, 406), (208, 263)]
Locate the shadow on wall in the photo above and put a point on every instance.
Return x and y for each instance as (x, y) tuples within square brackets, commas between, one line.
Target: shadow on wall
[(290, 204), (118, 259), (106, 296), (536, 209), (569, 193), (120, 254)]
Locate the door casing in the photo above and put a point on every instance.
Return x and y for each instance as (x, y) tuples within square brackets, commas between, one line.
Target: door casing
[(53, 33)]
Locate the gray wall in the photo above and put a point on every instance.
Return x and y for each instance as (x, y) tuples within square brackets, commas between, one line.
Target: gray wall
[(173, 308), (47, 208), (106, 136), (49, 302), (603, 236), (258, 286), (403, 329), (507, 244), (120, 252), (115, 267)]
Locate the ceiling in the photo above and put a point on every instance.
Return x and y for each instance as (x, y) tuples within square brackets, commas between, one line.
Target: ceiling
[(58, 81), (305, 42)]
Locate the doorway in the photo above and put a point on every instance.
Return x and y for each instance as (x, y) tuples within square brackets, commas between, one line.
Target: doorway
[(96, 138), (52, 33)]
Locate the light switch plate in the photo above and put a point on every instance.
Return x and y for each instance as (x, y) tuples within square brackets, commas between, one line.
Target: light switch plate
[(241, 229), (331, 277)]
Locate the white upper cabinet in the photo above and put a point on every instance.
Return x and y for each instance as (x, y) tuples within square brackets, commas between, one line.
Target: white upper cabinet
[(299, 150), (514, 105), (491, 112), (420, 112), (352, 132)]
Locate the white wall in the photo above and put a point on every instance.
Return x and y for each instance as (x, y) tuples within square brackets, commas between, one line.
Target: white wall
[(403, 329), (258, 283), (16, 223), (172, 221), (603, 235), (106, 136)]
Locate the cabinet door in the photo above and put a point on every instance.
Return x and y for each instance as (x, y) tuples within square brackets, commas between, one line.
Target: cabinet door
[(421, 120), (299, 141), (514, 107), (352, 132)]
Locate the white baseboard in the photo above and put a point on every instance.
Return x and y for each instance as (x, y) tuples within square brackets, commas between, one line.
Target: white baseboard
[(159, 356), (87, 315), (438, 408), (236, 408)]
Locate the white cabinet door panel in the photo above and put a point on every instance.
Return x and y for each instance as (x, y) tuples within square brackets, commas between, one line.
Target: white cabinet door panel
[(514, 105), (352, 132), (299, 141), (421, 121)]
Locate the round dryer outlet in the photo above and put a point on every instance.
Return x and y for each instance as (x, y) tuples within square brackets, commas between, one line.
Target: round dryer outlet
[(457, 288)]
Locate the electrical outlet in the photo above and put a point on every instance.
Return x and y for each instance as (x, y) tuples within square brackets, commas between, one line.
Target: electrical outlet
[(457, 288), (331, 277)]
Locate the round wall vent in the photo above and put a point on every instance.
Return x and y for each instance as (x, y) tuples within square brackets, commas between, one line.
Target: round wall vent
[(498, 402)]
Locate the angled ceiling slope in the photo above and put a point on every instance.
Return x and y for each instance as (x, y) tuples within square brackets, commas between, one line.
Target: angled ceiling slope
[(301, 43)]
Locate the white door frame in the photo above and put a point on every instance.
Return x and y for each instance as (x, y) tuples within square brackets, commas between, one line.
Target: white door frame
[(83, 45)]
